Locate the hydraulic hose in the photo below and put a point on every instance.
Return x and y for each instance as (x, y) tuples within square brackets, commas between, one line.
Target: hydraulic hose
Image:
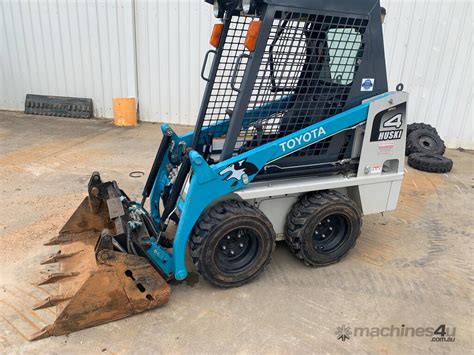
[(165, 142), (170, 203)]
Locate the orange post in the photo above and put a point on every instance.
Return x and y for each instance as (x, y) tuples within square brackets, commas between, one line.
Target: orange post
[(125, 112)]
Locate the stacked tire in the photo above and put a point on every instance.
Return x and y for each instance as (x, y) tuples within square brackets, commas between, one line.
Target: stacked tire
[(425, 149)]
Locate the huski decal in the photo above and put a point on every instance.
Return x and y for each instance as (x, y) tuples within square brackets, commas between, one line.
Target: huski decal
[(237, 170), (389, 124)]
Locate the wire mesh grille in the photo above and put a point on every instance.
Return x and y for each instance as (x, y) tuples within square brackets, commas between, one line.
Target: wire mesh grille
[(222, 98), (309, 62), (308, 66)]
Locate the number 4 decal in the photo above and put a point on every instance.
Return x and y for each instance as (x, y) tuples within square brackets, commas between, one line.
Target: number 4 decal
[(396, 121)]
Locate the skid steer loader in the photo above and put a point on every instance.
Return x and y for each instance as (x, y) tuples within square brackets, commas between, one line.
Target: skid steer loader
[(296, 138)]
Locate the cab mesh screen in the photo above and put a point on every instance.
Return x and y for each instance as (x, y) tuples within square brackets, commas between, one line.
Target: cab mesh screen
[(308, 66)]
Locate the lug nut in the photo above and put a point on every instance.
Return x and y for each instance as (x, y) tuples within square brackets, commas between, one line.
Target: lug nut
[(228, 237), (324, 235), (241, 245), (328, 220), (223, 247), (330, 228), (231, 252)]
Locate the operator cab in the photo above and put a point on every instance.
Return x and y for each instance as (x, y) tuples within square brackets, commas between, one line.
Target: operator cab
[(307, 66)]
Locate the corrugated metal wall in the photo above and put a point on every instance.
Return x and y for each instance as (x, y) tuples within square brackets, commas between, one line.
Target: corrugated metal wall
[(67, 48), (172, 39), (153, 50), (429, 49)]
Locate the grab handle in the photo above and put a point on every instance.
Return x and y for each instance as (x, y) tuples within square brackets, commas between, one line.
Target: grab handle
[(204, 65), (236, 71)]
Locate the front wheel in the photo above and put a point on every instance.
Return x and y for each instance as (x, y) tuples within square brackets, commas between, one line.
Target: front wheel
[(232, 243), (322, 227)]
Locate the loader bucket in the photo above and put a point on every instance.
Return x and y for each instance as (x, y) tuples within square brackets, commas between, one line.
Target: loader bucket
[(96, 285)]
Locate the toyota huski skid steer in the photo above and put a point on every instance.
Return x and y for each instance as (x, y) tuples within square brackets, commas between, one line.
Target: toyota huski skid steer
[(297, 137)]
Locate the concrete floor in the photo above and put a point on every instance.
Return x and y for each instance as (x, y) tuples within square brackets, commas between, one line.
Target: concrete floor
[(410, 267)]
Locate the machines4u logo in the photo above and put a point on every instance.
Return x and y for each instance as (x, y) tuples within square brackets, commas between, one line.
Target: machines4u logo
[(441, 333), (389, 124)]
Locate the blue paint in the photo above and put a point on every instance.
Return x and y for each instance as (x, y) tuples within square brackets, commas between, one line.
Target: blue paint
[(207, 185), (161, 257)]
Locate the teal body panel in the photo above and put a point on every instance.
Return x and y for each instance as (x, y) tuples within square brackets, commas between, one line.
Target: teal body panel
[(209, 183)]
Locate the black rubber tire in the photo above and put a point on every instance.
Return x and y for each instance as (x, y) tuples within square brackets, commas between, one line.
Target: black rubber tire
[(425, 141), (416, 126), (431, 163), (221, 221), (306, 215)]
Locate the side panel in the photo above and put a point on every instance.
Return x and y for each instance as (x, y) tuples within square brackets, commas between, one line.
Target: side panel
[(384, 137), (276, 209), (383, 152), (374, 197), (394, 194)]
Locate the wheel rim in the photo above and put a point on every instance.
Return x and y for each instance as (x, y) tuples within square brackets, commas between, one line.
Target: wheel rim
[(237, 251), (427, 142), (330, 233)]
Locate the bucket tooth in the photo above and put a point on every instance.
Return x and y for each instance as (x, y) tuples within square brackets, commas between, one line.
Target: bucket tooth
[(55, 241), (43, 333), (57, 257), (67, 238), (57, 276), (50, 302)]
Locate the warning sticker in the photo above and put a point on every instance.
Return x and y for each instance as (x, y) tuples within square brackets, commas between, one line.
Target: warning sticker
[(376, 169)]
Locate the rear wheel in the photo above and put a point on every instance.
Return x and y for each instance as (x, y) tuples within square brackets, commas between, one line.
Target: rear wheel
[(232, 243), (322, 227)]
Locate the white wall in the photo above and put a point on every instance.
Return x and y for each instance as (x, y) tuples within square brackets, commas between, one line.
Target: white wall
[(172, 39), (87, 48), (67, 48)]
